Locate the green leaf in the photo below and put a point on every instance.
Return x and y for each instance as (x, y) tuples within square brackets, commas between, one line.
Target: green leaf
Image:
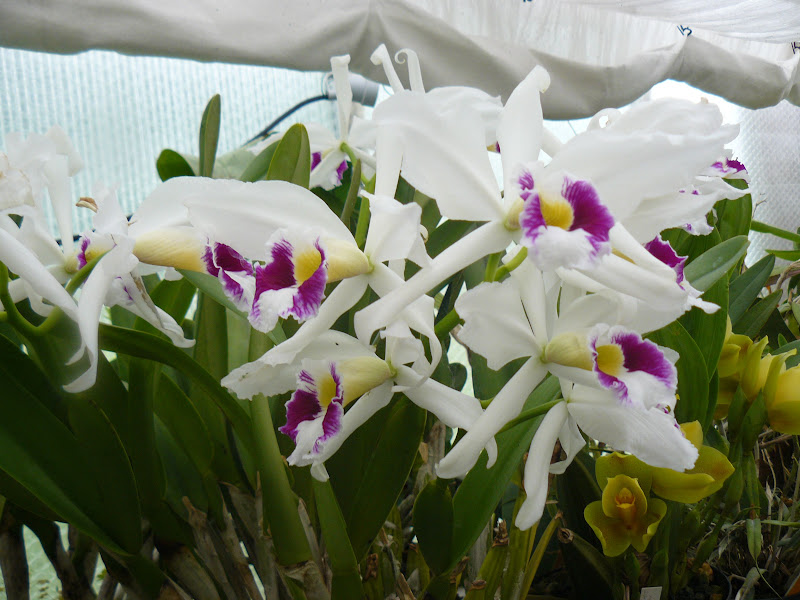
[(713, 264), (590, 572), (258, 167), (577, 488), (292, 159), (747, 286), (209, 136), (171, 164), (692, 372), (791, 255), (734, 216), (210, 286), (446, 234), (433, 524), (369, 470), (753, 529), (753, 320), (482, 488), (711, 328), (346, 583), (776, 231), (46, 458), (105, 459)]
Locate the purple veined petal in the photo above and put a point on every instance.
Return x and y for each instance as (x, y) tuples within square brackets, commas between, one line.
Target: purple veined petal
[(82, 248), (634, 369), (340, 170), (314, 412), (316, 158), (569, 228), (728, 168), (292, 283), (663, 251), (234, 272)]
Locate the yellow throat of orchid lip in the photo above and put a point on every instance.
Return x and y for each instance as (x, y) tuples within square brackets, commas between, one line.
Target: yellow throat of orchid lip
[(626, 505), (326, 390), (306, 263), (610, 359), (556, 211)]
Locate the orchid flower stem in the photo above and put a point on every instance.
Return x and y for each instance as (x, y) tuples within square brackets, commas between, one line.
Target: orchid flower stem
[(352, 194), (776, 231), (12, 315), (530, 414), (491, 266), (363, 223), (282, 518), (345, 147), (447, 323), (511, 265)]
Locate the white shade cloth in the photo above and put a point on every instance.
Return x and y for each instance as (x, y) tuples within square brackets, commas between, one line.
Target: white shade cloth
[(599, 52)]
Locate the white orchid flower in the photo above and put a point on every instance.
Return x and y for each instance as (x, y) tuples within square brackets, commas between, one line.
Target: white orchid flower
[(586, 341), (570, 213), (36, 169), (115, 279), (329, 153), (335, 370)]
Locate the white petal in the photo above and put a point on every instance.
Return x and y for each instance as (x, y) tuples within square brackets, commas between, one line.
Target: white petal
[(650, 434), (254, 377), (393, 228), (505, 406), (520, 130), (537, 466), (485, 240), (118, 261), (488, 107), (444, 155), (571, 442), (21, 261), (56, 171), (344, 93), (495, 325), (244, 215)]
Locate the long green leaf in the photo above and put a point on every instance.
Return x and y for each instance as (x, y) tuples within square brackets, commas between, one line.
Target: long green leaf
[(713, 264), (692, 372), (478, 495), (369, 470), (292, 159), (259, 166), (747, 286), (433, 524), (753, 320), (171, 164), (144, 345), (45, 457), (711, 328), (209, 136), (734, 216), (346, 582)]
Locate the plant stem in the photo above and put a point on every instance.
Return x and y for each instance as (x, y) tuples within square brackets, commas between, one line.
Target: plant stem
[(363, 223), (447, 323), (511, 265), (530, 414), (279, 501), (352, 194)]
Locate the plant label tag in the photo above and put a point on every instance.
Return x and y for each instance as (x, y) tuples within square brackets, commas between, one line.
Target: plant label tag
[(650, 593)]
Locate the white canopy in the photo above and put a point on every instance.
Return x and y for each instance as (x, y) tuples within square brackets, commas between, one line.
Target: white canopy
[(599, 52)]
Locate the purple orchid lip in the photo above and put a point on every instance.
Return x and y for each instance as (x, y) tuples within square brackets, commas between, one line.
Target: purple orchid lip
[(569, 229), (727, 167), (663, 251), (230, 267), (340, 171), (623, 360), (292, 283), (318, 398), (81, 256), (316, 158)]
